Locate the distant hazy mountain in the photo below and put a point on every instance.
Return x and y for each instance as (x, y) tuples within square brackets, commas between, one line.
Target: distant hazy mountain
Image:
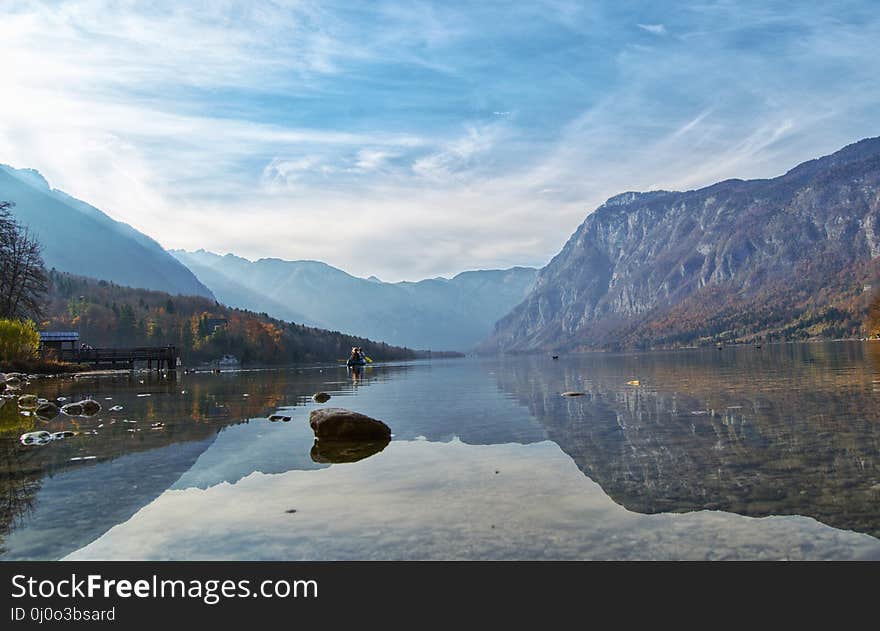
[(439, 313), (80, 239), (793, 256)]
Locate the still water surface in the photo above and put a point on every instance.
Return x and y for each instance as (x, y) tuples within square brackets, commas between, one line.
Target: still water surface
[(737, 454)]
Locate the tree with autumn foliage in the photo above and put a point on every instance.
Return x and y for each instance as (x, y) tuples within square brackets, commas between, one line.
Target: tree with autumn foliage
[(106, 314)]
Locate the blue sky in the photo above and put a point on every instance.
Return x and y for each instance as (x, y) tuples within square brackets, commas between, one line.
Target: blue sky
[(409, 140)]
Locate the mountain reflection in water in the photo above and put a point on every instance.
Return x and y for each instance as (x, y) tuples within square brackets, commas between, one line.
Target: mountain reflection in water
[(487, 460), (786, 430)]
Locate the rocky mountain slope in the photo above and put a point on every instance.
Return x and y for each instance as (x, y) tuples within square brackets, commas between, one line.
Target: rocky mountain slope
[(80, 239), (438, 313), (792, 256)]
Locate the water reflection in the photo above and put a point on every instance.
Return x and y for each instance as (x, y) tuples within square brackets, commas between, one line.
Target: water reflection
[(787, 430), (487, 460), (57, 497), (338, 452), (423, 500)]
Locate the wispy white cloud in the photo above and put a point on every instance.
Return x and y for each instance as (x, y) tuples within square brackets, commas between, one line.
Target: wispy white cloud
[(294, 129), (459, 155), (371, 160), (656, 29)]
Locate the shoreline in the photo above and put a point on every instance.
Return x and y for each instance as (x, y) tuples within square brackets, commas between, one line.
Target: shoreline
[(667, 349)]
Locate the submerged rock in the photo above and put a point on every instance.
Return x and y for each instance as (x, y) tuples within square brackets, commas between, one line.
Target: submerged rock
[(27, 401), (342, 451), (90, 407), (35, 438), (345, 425), (47, 411), (73, 409), (321, 397)]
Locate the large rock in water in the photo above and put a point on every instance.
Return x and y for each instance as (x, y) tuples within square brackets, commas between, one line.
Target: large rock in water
[(342, 424)]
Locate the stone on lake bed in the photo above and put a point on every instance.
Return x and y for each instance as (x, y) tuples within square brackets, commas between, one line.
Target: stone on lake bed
[(47, 411), (342, 424), (321, 397), (90, 407), (28, 401), (35, 438), (73, 409)]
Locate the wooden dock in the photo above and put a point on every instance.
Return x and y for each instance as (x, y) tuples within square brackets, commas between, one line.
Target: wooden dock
[(164, 356)]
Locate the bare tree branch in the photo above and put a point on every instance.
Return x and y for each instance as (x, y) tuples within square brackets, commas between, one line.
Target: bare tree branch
[(23, 278)]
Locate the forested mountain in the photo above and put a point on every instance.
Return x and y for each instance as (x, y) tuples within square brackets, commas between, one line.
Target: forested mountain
[(80, 239), (790, 257), (437, 313), (106, 314)]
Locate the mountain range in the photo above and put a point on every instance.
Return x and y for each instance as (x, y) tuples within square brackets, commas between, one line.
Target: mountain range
[(80, 239), (792, 256), (438, 313), (789, 257)]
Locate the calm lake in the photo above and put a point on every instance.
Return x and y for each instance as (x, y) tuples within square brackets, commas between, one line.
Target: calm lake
[(743, 453)]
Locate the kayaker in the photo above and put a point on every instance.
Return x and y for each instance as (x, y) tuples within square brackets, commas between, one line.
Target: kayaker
[(357, 357)]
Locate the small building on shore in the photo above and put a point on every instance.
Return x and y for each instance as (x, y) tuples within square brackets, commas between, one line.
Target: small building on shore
[(59, 340)]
